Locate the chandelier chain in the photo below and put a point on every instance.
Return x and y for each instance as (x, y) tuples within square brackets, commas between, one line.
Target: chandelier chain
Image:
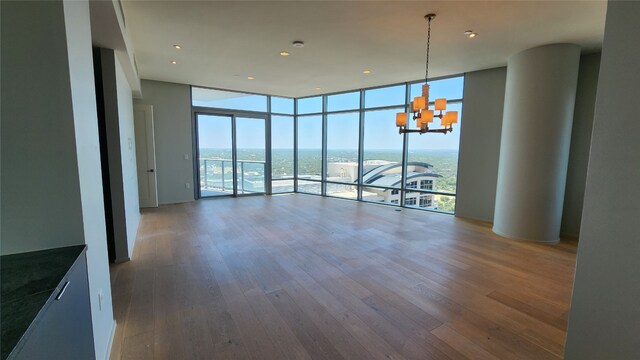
[(426, 70)]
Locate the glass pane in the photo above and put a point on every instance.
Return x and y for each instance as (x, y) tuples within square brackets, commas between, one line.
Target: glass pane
[(310, 147), (348, 101), (311, 187), (432, 161), (445, 203), (382, 165), (228, 99), (342, 190), (420, 200), (310, 105), (387, 96), (450, 89), (387, 196), (342, 147), (281, 148), (214, 147), (250, 142), (281, 105), (282, 186), (440, 203)]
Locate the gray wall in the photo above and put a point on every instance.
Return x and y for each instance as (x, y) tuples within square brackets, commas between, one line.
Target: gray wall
[(480, 143), (51, 188), (108, 84), (604, 322), (533, 160), (40, 188), (580, 143), (123, 177), (173, 137)]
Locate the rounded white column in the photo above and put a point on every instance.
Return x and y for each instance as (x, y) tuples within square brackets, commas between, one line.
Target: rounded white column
[(536, 134)]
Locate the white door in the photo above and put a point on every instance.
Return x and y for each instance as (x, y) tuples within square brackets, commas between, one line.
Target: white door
[(145, 155)]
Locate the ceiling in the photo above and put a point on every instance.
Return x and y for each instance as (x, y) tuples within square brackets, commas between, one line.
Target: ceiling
[(224, 42)]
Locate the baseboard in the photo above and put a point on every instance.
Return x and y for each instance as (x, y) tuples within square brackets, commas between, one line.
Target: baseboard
[(110, 345), (569, 236), (551, 242), (475, 219), (121, 260), (173, 203)]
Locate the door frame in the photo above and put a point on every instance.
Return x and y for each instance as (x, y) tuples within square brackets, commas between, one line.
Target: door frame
[(233, 114), (148, 110)]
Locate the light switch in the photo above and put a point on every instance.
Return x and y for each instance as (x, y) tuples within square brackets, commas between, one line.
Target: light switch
[(186, 156)]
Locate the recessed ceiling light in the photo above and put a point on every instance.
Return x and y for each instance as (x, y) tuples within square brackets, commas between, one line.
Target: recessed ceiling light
[(284, 53), (250, 78), (318, 88), (297, 44), (173, 62), (177, 46), (470, 34), (366, 72)]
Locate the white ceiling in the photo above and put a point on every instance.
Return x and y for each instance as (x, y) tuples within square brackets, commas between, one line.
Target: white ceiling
[(226, 41)]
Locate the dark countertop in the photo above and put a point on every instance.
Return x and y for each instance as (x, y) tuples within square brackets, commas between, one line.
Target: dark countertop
[(27, 281)]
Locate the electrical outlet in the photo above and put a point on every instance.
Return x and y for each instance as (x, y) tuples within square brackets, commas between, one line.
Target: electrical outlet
[(187, 185), (100, 297)]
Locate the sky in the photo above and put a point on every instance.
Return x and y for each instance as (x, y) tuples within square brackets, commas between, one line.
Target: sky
[(342, 128)]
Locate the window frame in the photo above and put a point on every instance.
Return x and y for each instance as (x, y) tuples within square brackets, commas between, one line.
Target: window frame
[(403, 189)]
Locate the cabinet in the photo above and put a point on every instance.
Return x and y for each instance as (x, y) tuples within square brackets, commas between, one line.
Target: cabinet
[(62, 328)]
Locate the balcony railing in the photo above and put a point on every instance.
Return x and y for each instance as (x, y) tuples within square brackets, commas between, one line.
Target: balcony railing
[(217, 175)]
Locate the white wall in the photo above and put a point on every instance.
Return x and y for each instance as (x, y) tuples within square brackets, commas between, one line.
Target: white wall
[(604, 322), (480, 143), (78, 31), (580, 143), (173, 137), (128, 154)]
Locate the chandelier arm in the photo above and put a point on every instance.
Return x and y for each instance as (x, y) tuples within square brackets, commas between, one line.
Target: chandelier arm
[(405, 130)]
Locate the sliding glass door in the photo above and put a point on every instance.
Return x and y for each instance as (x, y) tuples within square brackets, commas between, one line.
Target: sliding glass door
[(232, 154), (250, 155), (215, 155)]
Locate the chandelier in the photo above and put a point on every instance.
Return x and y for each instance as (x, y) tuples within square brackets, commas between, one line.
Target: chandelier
[(420, 104)]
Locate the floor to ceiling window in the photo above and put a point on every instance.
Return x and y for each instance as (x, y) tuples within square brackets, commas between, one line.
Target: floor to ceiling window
[(282, 154), (310, 154), (432, 159), (341, 145), (282, 145), (382, 157), (349, 143), (342, 154)]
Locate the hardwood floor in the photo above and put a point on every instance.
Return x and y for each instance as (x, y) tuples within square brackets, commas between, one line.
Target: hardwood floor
[(306, 277)]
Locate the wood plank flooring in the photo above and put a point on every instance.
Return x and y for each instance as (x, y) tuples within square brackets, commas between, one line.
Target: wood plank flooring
[(306, 277)]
